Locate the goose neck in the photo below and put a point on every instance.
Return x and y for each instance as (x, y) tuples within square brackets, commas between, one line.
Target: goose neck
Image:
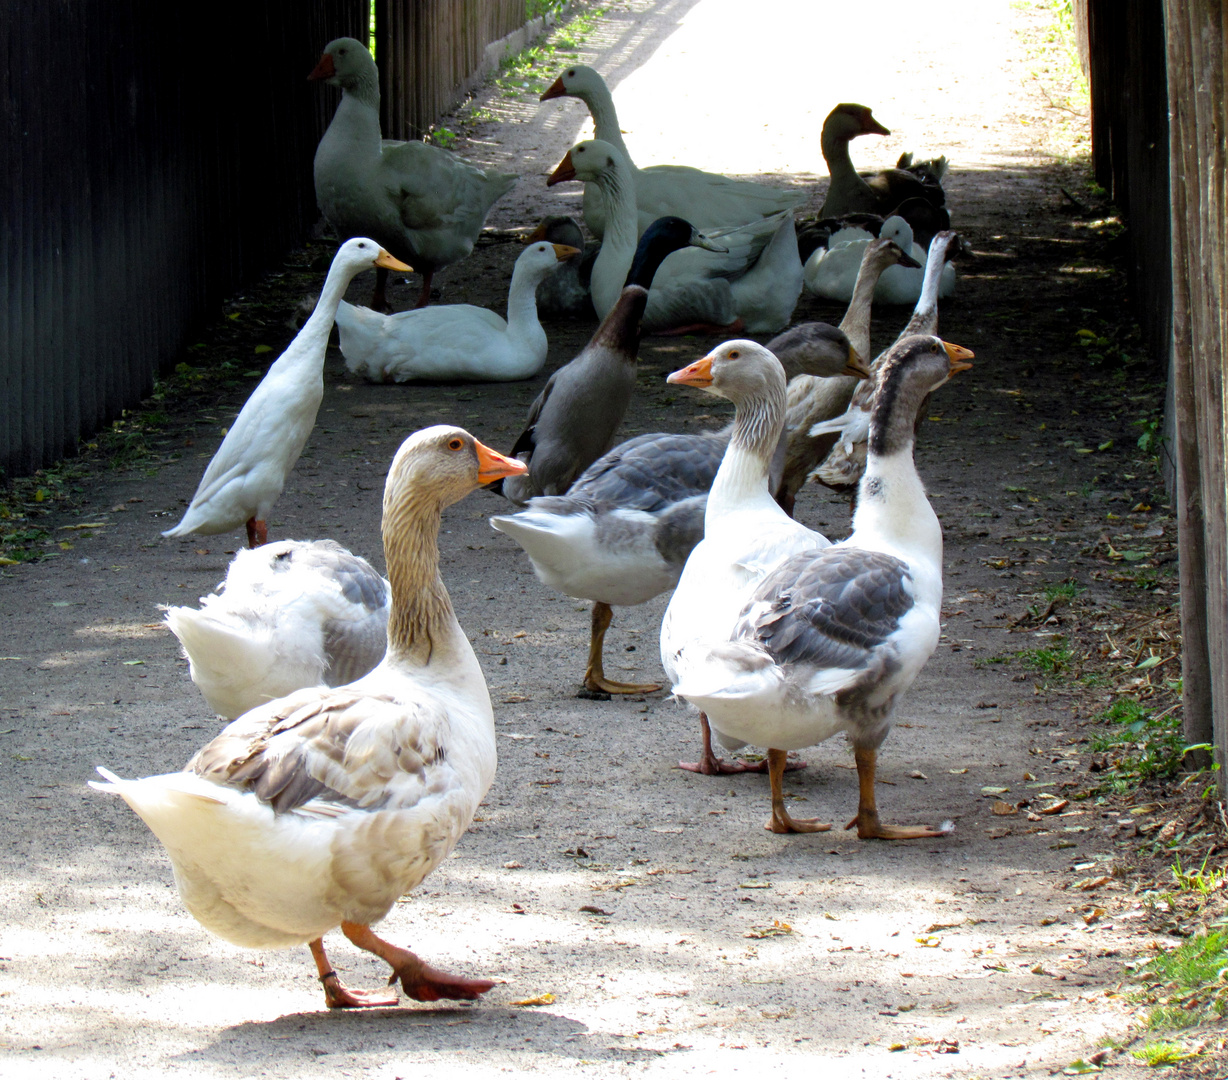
[(363, 87), (421, 621), (856, 321), (745, 468), (925, 315), (522, 301), (622, 218), (600, 104), (835, 147)]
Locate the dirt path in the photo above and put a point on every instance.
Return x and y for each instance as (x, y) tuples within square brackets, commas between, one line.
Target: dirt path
[(649, 902)]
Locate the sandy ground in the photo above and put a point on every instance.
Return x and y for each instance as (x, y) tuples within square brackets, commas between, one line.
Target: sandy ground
[(644, 899)]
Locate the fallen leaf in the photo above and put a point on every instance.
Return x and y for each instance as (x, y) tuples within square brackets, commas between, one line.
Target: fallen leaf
[(897, 1046), (608, 885), (1094, 916), (998, 832), (541, 999), (929, 941), (933, 928), (132, 663), (777, 929), (1062, 845), (1004, 809), (1087, 884), (513, 865), (1056, 808), (957, 772), (260, 350), (1048, 920), (755, 885), (1081, 1067), (593, 909), (917, 774), (987, 791)]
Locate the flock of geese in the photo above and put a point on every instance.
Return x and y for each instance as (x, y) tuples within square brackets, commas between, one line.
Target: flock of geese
[(362, 737)]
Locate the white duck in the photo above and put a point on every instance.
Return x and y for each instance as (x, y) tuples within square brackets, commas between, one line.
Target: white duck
[(455, 342), (424, 204), (756, 280), (843, 465), (831, 638), (746, 533), (709, 200), (249, 470), (289, 615), (623, 531), (832, 271), (321, 809)]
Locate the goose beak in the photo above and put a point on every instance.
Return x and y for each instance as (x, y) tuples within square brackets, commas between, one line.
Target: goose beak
[(537, 234), (870, 126), (697, 374), (907, 260), (493, 466), (707, 243), (324, 69), (856, 366), (388, 262), (565, 170), (556, 89), (959, 357), (563, 252)]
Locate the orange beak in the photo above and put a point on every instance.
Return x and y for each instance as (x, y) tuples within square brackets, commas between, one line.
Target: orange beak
[(696, 374), (389, 262), (537, 234), (959, 357), (562, 252), (856, 366), (565, 170), (557, 89), (493, 466), (324, 69)]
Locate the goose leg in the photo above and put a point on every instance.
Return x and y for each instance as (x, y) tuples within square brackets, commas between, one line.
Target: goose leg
[(866, 821), (257, 533), (418, 979), (379, 298), (710, 765), (594, 675), (709, 329), (336, 994), (780, 821), (424, 294)]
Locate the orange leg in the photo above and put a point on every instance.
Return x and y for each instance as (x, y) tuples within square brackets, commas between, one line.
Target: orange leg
[(379, 298), (710, 765), (780, 821), (866, 821), (419, 980), (336, 994), (424, 294), (257, 533), (594, 675)]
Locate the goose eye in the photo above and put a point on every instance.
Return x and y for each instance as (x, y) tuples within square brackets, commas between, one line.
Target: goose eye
[(933, 347), (572, 73), (734, 355), (455, 444)]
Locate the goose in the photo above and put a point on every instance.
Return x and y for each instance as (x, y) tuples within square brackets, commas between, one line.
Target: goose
[(808, 400), (831, 638), (455, 342), (573, 421), (843, 464), (290, 614), (623, 531), (709, 200), (424, 204), (246, 475), (564, 292), (746, 533), (322, 808), (754, 284), (849, 191), (831, 272)]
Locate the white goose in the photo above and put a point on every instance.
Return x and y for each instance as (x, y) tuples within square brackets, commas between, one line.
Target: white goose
[(832, 271), (289, 615), (756, 280), (424, 204), (455, 342), (832, 637), (322, 808), (708, 200), (249, 470), (746, 533)]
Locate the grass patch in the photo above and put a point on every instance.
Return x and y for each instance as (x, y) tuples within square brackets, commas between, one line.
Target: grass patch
[(1142, 745), (1053, 660), (1161, 1053), (1188, 985)]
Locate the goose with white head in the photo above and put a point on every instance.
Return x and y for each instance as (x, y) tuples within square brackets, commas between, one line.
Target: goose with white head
[(322, 808), (831, 638)]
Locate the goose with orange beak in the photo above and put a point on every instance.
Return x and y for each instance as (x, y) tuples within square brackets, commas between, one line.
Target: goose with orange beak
[(828, 640)]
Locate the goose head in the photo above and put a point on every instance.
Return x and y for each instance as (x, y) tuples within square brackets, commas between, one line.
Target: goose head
[(557, 229), (361, 253), (578, 81), (911, 369), (438, 466), (537, 260), (897, 230), (749, 375), (345, 63), (847, 121), (592, 160)]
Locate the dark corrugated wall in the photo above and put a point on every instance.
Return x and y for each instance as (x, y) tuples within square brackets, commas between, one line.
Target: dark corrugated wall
[(155, 157)]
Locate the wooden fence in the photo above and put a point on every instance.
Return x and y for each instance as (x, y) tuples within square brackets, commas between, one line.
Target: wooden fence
[(1159, 124)]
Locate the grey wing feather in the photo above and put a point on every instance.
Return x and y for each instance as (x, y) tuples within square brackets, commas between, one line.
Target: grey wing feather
[(830, 609), (359, 582), (651, 472)]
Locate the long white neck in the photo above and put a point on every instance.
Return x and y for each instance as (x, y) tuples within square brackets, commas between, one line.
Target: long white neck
[(354, 132), (856, 321), (925, 315), (893, 513), (522, 315), (600, 104), (312, 339), (742, 479), (621, 235)]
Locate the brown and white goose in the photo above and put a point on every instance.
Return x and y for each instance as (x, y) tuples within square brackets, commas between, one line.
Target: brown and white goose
[(322, 808)]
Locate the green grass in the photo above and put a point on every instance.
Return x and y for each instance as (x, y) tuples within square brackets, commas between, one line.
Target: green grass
[(1161, 1053), (1189, 984), (1050, 661), (1203, 881), (1147, 745)]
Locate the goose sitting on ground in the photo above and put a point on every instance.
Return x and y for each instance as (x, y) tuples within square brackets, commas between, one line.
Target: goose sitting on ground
[(424, 204), (710, 200), (455, 342), (831, 638), (622, 533), (574, 419), (831, 272), (746, 533), (249, 470), (808, 400), (289, 615), (322, 808), (843, 464), (878, 193), (754, 282), (564, 292)]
